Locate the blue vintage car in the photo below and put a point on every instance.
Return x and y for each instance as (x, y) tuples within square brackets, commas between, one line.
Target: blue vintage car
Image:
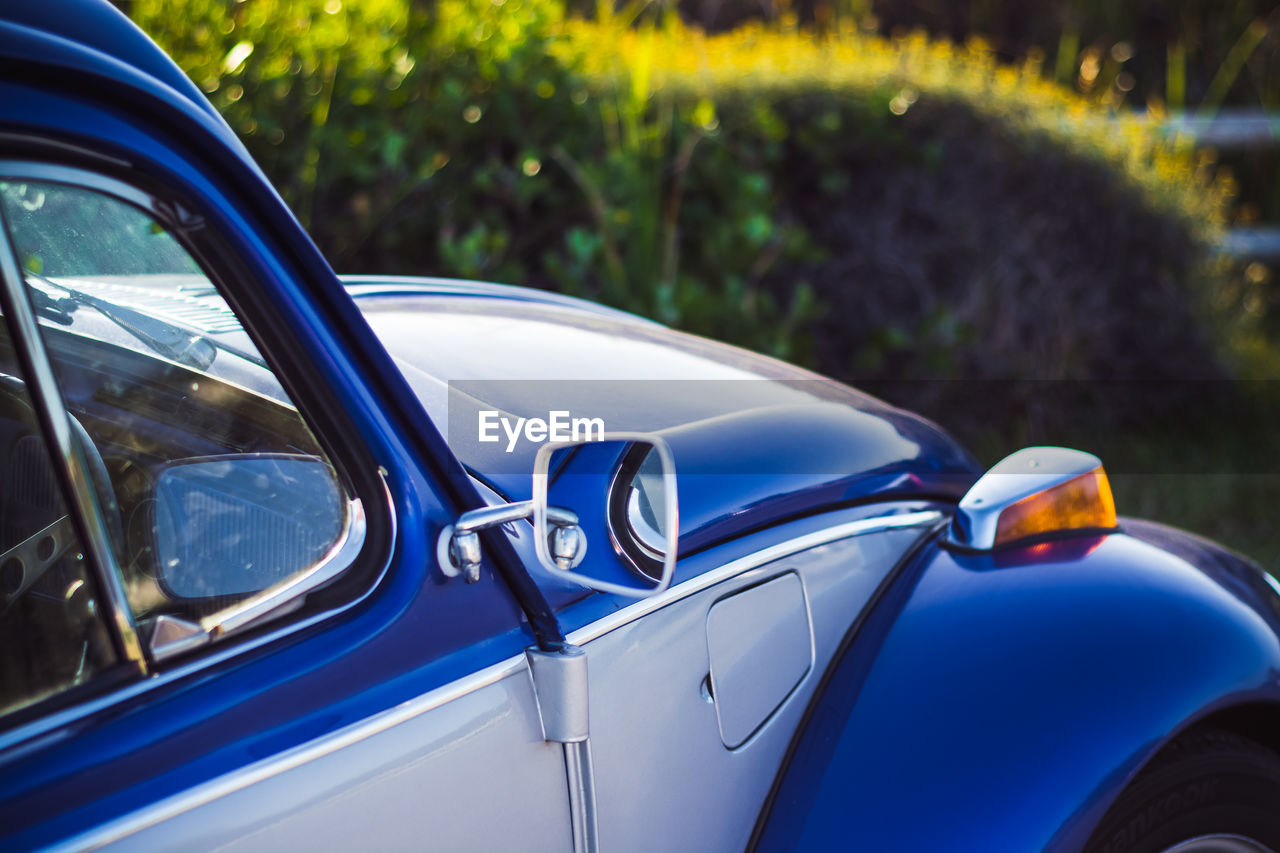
[(290, 561)]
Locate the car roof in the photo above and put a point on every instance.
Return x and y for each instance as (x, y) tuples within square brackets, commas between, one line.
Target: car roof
[(70, 32)]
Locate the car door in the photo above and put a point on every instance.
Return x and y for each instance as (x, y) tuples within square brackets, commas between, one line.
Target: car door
[(224, 627), (696, 693)]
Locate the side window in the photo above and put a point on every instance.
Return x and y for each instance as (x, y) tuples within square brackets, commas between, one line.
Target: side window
[(219, 503), (52, 632)]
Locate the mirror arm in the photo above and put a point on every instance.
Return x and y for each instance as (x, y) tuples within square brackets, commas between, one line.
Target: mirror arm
[(458, 548)]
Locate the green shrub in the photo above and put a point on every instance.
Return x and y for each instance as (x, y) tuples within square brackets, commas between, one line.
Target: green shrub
[(874, 208), (450, 138)]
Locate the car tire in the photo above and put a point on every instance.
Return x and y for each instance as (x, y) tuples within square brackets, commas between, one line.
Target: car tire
[(1209, 790)]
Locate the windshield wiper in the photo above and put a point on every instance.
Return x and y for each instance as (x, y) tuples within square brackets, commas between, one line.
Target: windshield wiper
[(57, 310), (167, 339)]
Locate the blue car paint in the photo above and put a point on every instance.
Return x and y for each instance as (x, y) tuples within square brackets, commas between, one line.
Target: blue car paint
[(59, 31), (759, 441), (177, 734), (259, 705), (1106, 647), (735, 485)]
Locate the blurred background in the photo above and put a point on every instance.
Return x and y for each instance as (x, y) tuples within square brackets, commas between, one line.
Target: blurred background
[(1055, 222)]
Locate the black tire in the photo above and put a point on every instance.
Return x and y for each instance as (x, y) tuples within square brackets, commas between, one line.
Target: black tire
[(1205, 783)]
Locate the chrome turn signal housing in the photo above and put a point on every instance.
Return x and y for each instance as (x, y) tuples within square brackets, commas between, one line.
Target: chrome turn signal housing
[(1038, 491)]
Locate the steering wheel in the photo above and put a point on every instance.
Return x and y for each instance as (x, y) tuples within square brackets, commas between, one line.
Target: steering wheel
[(31, 497)]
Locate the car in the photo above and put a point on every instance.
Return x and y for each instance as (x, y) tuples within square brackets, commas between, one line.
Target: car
[(299, 561)]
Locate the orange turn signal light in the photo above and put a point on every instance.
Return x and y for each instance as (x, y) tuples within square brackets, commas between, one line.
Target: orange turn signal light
[(1034, 492), (1082, 502)]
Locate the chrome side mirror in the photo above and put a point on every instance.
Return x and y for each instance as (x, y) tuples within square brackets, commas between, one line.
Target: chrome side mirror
[(660, 501), (560, 542)]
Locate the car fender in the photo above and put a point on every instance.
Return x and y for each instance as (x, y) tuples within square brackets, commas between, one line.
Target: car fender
[(1001, 701)]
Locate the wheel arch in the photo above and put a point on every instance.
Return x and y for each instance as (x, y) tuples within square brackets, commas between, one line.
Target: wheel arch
[(1015, 695), (1258, 721)]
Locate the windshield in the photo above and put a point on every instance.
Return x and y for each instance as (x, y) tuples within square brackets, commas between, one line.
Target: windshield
[(107, 270)]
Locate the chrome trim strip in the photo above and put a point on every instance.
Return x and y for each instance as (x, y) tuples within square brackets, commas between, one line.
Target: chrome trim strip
[(242, 778), (290, 759), (582, 797), (69, 456), (78, 178), (172, 636), (41, 732), (629, 614)]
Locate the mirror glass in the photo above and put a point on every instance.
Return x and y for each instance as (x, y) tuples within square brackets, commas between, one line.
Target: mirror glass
[(235, 525), (646, 506)]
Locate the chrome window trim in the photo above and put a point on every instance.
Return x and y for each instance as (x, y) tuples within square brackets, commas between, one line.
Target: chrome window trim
[(41, 732), (36, 170), (1219, 843), (236, 780), (9, 137), (341, 555)]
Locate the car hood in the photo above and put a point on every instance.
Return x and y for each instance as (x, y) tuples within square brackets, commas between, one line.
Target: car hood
[(762, 440)]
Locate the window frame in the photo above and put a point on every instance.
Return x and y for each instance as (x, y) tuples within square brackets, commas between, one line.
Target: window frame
[(68, 464), (354, 565)]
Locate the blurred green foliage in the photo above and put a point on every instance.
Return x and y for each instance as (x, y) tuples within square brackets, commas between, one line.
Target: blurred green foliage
[(897, 208), (748, 185), (1192, 56), (967, 217), (1183, 54), (449, 137)]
